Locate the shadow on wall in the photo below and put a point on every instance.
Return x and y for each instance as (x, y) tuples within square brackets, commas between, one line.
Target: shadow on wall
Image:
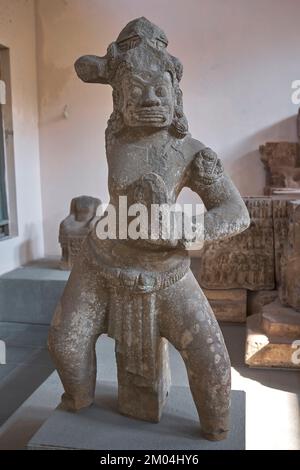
[(25, 251), (248, 170)]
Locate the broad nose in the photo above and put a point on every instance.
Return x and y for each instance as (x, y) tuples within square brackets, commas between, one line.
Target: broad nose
[(150, 98)]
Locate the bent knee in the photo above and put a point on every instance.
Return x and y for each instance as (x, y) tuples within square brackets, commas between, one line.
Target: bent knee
[(214, 366), (56, 341), (210, 348), (198, 335)]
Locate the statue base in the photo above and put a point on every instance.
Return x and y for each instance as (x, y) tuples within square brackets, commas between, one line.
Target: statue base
[(269, 343), (101, 427)]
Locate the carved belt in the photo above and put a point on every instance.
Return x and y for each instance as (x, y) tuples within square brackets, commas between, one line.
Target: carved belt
[(133, 283), (142, 282)]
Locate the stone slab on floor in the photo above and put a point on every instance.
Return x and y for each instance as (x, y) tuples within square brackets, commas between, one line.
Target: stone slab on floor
[(27, 365), (101, 427), (228, 305), (280, 321), (264, 350), (37, 286)]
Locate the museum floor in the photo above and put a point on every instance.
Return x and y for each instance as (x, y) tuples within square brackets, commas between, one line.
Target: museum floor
[(28, 386)]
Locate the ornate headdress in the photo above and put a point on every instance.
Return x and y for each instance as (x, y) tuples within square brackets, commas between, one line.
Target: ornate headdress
[(140, 47)]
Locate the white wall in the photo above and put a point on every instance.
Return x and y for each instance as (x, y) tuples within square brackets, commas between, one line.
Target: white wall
[(239, 58), (17, 31)]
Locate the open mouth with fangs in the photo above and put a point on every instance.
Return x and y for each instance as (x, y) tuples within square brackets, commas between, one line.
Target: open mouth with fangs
[(150, 115)]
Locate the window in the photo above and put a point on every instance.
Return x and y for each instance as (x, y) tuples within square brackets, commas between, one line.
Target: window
[(8, 207), (3, 197)]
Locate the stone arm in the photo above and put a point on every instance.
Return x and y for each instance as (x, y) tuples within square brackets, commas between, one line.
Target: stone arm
[(226, 213)]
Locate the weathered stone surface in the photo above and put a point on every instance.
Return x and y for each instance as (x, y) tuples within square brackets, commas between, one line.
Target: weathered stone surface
[(280, 321), (289, 291), (277, 325), (257, 299), (280, 224), (282, 164), (228, 305), (263, 350), (245, 261), (139, 399), (141, 290), (74, 228)]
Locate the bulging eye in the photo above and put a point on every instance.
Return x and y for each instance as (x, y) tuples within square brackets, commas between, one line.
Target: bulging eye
[(136, 93), (161, 91), (160, 44), (129, 43)]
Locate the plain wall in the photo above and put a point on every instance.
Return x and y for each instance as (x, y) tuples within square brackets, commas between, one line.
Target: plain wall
[(17, 32), (240, 58)]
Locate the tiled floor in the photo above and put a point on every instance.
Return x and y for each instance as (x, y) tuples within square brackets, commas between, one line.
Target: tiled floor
[(27, 364), (272, 396)]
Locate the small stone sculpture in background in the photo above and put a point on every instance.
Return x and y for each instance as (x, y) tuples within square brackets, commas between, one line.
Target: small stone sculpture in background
[(289, 291), (274, 325), (74, 228), (282, 164)]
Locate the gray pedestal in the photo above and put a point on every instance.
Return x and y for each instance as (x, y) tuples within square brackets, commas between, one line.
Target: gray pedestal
[(101, 427), (30, 294)]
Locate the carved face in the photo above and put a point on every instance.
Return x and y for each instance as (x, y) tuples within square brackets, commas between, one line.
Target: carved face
[(148, 100), (84, 211)]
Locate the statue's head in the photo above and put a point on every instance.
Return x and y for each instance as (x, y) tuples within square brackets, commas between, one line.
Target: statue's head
[(84, 208), (144, 77), (147, 99)]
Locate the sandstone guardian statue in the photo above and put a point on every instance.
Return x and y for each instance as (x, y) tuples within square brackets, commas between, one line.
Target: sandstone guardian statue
[(142, 292)]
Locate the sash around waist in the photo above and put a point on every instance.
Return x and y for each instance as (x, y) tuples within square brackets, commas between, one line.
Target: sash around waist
[(140, 271)]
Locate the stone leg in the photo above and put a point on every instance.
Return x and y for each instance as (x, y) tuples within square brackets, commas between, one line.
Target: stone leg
[(78, 321), (187, 321), (139, 399)]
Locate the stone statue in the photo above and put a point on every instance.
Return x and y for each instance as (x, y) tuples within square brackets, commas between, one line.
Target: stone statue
[(273, 322), (142, 292), (289, 289), (282, 164), (74, 228)]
